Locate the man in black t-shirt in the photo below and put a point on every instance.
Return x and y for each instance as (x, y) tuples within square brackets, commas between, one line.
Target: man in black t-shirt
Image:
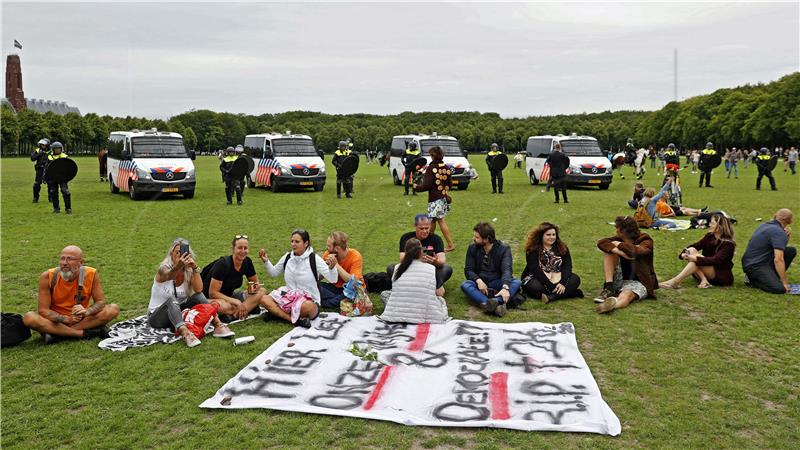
[(226, 279), (432, 249)]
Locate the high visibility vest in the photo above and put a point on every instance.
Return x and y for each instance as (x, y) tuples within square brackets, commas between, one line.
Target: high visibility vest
[(709, 151), (230, 158), (414, 152), (345, 152), (764, 157), (52, 157), (494, 152)]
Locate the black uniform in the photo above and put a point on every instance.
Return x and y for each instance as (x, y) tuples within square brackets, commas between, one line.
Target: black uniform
[(559, 162), (338, 158), (53, 187), (408, 159), (705, 166), (497, 176), (764, 170), (39, 157), (231, 184)]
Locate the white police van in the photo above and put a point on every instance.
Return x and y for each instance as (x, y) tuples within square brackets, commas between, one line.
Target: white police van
[(587, 164), (453, 156), (149, 161), (284, 160)]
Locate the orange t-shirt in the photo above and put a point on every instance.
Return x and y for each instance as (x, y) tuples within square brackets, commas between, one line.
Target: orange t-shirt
[(352, 264), (65, 293), (663, 209)]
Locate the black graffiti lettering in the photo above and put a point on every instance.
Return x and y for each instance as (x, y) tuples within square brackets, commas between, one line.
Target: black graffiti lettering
[(478, 367), (282, 362), (432, 361), (377, 344), (460, 412), (331, 324), (518, 346), (464, 328), (529, 365), (478, 348), (542, 387), (471, 397), (361, 378), (296, 354), (566, 328), (483, 339), (336, 401), (260, 386), (353, 389), (554, 416), (283, 371)]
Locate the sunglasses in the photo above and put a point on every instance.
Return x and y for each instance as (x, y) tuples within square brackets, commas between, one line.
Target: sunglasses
[(241, 236)]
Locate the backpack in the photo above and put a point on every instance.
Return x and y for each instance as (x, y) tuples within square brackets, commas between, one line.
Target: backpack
[(377, 281), (642, 217), (208, 270), (312, 261), (12, 330), (81, 276)]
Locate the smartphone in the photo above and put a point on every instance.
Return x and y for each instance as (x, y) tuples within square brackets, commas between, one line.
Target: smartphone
[(429, 252), (184, 249)]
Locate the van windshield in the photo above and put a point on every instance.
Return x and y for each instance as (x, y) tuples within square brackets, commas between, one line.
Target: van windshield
[(581, 148), (293, 147), (158, 147), (450, 147)]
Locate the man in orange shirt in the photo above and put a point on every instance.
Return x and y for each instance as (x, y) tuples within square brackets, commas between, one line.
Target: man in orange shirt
[(65, 312), (350, 265)]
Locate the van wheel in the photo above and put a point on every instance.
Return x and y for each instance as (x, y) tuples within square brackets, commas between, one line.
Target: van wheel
[(188, 194), (397, 180), (604, 186), (114, 188), (533, 179), (250, 183), (132, 192), (463, 187), (275, 187)]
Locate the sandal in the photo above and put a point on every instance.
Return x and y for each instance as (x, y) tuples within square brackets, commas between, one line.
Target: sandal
[(705, 285), (667, 285)]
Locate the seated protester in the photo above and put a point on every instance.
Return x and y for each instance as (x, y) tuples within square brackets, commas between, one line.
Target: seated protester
[(432, 247), (768, 256), (348, 263), (298, 300), (488, 271), (638, 189), (176, 286), (548, 272), (710, 259), (649, 201), (226, 279), (63, 310), (413, 298), (674, 196), (627, 266)]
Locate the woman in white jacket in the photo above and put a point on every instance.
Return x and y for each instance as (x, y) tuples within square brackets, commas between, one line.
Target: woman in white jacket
[(413, 298), (299, 299)]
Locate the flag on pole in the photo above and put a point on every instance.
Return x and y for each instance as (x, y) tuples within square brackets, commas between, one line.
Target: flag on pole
[(17, 44)]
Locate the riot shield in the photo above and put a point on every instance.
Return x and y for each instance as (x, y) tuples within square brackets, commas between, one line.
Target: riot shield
[(348, 168), (61, 170), (499, 162)]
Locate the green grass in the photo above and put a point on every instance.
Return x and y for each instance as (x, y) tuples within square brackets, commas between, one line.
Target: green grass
[(695, 368)]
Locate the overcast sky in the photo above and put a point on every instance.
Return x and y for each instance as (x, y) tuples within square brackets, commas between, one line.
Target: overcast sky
[(517, 59)]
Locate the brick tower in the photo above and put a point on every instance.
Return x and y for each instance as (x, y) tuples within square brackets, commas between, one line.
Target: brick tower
[(14, 92)]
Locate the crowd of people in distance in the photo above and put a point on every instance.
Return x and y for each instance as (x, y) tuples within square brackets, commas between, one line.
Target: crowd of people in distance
[(312, 282)]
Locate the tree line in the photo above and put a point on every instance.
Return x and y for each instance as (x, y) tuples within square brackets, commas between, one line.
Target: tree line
[(749, 115)]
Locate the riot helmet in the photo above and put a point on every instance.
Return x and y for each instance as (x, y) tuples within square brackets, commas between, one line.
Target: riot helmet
[(412, 145), (494, 146), (44, 141), (709, 145), (764, 151), (342, 145), (671, 146), (239, 148), (57, 147)]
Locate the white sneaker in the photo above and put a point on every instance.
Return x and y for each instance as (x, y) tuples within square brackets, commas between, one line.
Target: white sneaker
[(191, 340), (223, 331)]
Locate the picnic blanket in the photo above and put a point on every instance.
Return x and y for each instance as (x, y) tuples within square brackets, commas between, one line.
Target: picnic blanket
[(137, 333), (525, 376), (680, 224), (794, 289)]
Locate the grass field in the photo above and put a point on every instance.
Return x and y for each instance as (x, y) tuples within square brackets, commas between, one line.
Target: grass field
[(694, 368)]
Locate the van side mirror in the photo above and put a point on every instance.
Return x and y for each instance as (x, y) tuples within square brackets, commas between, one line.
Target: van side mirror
[(466, 154), (192, 155), (126, 155)]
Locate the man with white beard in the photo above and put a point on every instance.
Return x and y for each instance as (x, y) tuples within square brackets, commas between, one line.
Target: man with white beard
[(64, 294)]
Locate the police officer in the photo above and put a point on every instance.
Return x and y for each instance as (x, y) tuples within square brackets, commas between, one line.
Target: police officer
[(231, 184), (763, 163), (559, 163), (705, 164), (411, 154), (39, 157), (497, 176), (339, 156), (672, 159), (57, 152)]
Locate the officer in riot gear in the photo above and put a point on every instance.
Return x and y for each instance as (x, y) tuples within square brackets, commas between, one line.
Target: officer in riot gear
[(39, 157)]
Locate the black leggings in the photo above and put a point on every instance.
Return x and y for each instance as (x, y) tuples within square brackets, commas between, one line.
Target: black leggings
[(534, 288)]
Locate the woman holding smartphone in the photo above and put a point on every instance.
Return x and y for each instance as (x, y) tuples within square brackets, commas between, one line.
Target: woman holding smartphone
[(177, 285)]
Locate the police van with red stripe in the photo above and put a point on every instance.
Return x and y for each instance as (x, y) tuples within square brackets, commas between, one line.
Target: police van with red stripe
[(284, 160), (151, 161), (454, 157), (587, 164)]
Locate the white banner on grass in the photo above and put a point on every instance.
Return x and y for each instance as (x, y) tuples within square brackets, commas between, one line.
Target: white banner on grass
[(525, 376)]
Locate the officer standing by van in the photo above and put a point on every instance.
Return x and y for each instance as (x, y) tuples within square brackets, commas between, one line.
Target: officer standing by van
[(559, 162), (39, 157), (764, 166), (497, 175), (410, 155), (57, 152), (705, 164), (231, 184), (339, 156)]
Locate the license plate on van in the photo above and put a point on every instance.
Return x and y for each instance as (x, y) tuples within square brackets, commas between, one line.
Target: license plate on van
[(594, 181), (454, 181), (306, 183), (169, 189)]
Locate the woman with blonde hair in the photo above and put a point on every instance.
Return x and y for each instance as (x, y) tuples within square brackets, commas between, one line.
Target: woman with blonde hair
[(548, 272), (710, 259)]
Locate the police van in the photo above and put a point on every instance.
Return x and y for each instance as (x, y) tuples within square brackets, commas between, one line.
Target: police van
[(453, 156), (587, 164), (284, 160), (149, 161)]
